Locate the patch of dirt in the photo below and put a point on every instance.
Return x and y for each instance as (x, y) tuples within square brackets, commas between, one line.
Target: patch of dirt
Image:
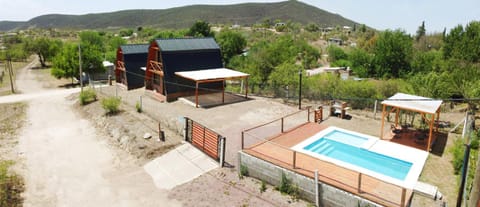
[(127, 129), (12, 120)]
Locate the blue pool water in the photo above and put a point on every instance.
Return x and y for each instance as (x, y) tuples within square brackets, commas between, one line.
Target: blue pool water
[(360, 157), (346, 138)]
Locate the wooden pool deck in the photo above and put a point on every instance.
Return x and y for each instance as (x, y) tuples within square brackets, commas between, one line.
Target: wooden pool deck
[(276, 150)]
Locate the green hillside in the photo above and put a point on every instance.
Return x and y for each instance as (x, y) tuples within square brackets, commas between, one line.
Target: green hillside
[(183, 17)]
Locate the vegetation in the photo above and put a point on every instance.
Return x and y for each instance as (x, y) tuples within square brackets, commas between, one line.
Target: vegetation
[(184, 17), (287, 187), (11, 186), (263, 186), (111, 105), (138, 107), (200, 29), (232, 43), (243, 171), (87, 96)]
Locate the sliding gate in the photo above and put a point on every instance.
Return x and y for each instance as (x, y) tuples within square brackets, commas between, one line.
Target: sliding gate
[(206, 140)]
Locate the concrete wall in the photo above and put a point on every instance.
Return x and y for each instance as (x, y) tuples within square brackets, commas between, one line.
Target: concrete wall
[(329, 196)]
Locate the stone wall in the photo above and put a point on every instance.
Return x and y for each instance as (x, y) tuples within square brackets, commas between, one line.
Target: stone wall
[(329, 196)]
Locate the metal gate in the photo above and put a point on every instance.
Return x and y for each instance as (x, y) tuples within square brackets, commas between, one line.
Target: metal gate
[(205, 139)]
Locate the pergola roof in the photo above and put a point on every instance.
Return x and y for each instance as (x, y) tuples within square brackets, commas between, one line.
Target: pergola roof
[(414, 103), (212, 74)]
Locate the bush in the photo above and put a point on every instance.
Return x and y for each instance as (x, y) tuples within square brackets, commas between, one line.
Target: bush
[(11, 186), (138, 106), (287, 187), (87, 96), (263, 186), (111, 105), (458, 151), (243, 171)]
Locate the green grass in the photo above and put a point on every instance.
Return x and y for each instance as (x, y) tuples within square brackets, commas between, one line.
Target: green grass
[(111, 105), (87, 96)]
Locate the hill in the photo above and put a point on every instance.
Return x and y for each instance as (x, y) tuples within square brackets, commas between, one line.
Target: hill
[(184, 17)]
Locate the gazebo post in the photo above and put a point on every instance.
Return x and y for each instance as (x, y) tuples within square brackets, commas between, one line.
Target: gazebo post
[(397, 113), (196, 94), (246, 87), (432, 120), (438, 119), (223, 92), (383, 120)]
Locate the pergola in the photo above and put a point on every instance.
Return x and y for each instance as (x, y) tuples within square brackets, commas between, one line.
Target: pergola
[(424, 106), (214, 75)]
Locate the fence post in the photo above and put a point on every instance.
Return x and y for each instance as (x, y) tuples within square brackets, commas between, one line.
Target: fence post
[(404, 194), (317, 196), (203, 141), (294, 159), (282, 125), (359, 182), (186, 129), (243, 139), (375, 109), (308, 114), (141, 103), (222, 151), (161, 134)]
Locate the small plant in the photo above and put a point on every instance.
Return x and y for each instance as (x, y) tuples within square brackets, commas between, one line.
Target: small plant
[(286, 187), (263, 186), (111, 105), (457, 151), (138, 106), (87, 96), (243, 171)]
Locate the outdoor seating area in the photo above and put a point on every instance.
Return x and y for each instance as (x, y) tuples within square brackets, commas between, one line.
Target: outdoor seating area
[(416, 138)]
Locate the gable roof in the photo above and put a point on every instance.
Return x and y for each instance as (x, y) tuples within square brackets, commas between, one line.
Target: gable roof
[(187, 44), (134, 49)]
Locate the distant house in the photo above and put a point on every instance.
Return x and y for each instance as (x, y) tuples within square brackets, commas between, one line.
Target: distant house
[(168, 56), (130, 60), (336, 41)]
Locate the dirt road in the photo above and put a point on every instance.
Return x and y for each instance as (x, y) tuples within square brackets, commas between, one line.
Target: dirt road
[(66, 163)]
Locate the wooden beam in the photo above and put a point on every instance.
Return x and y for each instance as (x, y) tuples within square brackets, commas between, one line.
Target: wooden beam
[(397, 113), (430, 132), (438, 120), (383, 120), (223, 92), (246, 88)]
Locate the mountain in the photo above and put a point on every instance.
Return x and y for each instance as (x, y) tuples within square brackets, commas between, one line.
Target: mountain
[(184, 17)]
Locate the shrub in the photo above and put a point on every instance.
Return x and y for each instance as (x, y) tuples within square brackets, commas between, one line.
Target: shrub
[(111, 105), (138, 106), (87, 96), (11, 186), (243, 171), (287, 187), (458, 151), (263, 186)]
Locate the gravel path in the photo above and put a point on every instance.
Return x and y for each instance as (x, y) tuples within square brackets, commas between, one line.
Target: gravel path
[(66, 163)]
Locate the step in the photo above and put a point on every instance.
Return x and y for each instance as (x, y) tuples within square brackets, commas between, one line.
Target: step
[(322, 147), (327, 150)]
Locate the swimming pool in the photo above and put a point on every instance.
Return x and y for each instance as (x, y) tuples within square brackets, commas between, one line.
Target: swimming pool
[(385, 165), (397, 164)]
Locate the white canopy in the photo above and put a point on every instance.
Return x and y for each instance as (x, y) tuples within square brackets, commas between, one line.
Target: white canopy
[(414, 103), (211, 74)]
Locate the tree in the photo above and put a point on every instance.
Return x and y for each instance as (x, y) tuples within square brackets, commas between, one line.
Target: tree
[(112, 45), (231, 44), (44, 48), (420, 31), (312, 27), (335, 53), (393, 53), (361, 63), (462, 43), (65, 63), (93, 49), (200, 29)]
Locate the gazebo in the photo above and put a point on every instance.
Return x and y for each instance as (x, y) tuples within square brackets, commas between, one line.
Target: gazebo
[(213, 75), (424, 106)]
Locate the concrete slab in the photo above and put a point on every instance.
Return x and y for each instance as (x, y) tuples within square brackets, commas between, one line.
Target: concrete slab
[(179, 166)]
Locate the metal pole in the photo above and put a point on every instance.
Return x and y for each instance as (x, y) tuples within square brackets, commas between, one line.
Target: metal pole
[(222, 151), (465, 162), (300, 90), (80, 66), (317, 196)]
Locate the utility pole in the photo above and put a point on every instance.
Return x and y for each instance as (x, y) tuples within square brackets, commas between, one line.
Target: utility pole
[(80, 66), (9, 67)]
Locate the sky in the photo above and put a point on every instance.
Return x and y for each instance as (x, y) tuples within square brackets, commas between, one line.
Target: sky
[(379, 14)]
